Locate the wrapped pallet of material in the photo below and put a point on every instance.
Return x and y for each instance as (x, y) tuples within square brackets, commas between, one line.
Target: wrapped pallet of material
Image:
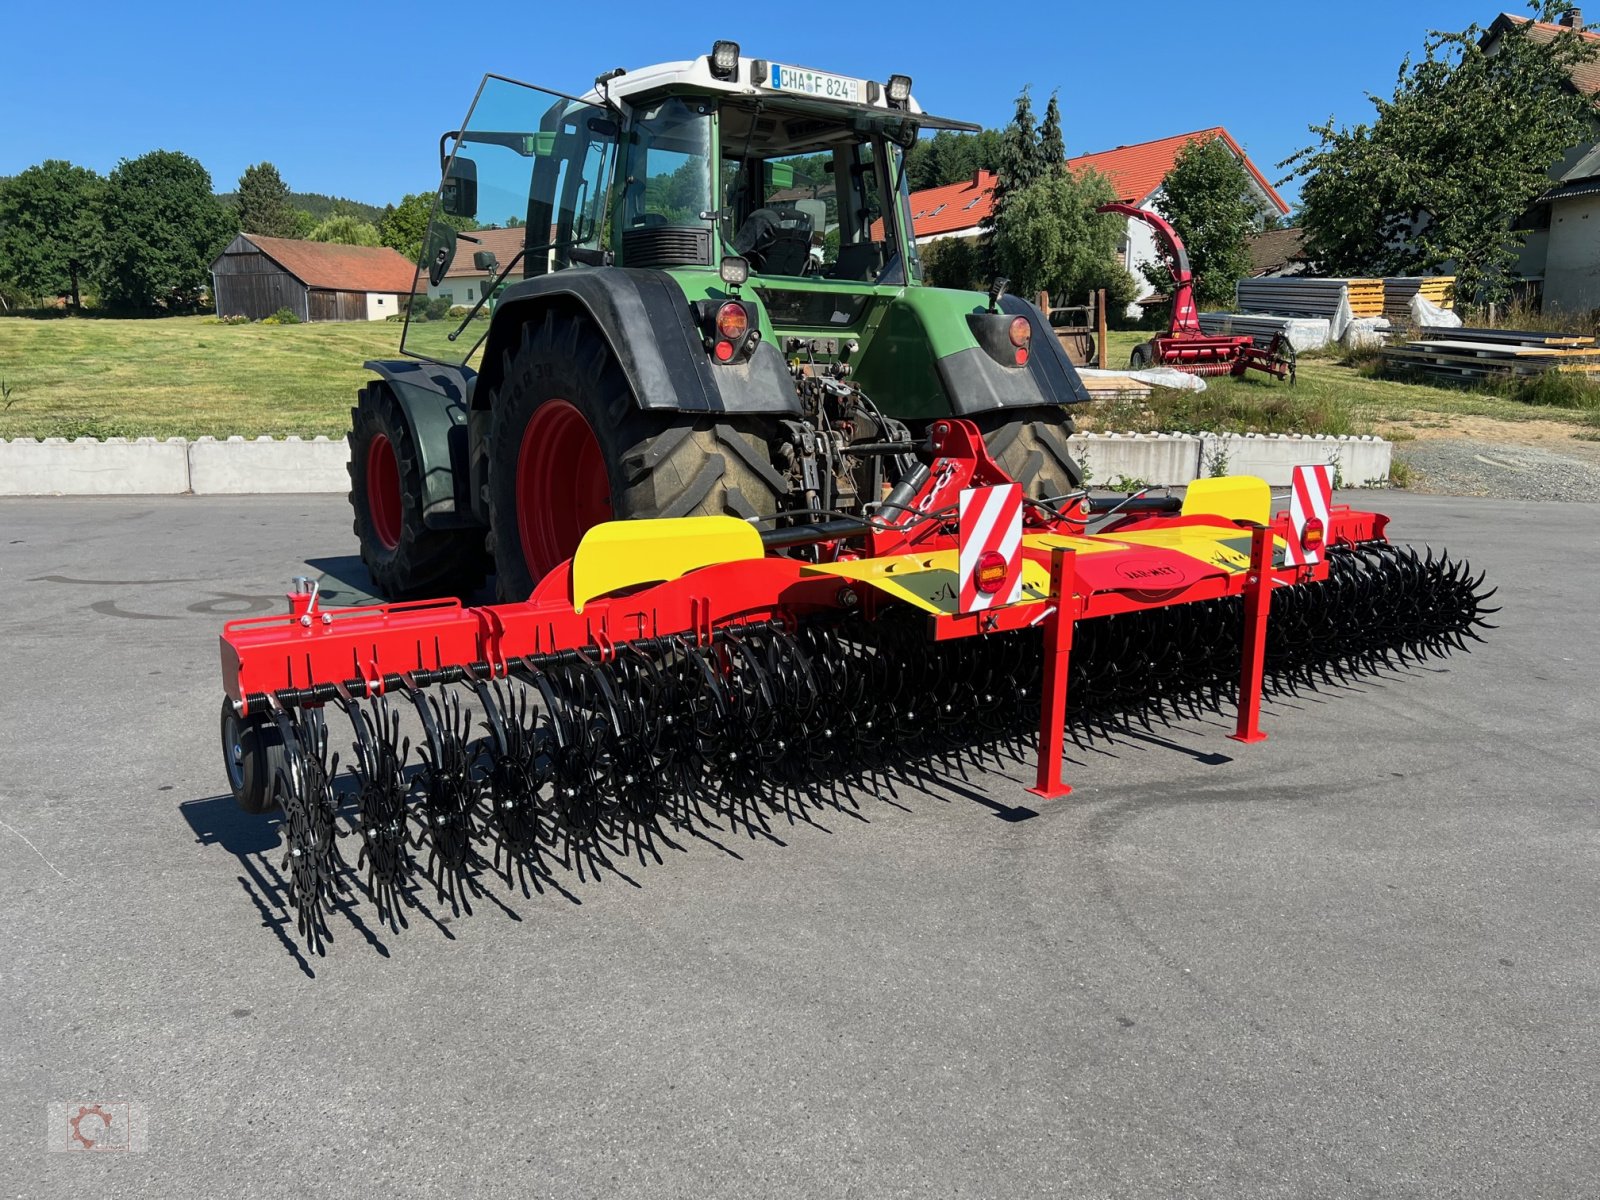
[(1304, 333), (1424, 314), (1398, 290), (1297, 296)]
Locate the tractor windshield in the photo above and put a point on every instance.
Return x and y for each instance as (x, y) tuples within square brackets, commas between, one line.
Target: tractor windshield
[(804, 194)]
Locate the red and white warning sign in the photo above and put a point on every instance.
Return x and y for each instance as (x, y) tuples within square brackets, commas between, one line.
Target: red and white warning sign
[(1310, 499), (990, 554)]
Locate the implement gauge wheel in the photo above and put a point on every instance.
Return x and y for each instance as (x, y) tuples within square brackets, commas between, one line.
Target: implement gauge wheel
[(570, 448), (253, 753), (404, 557)]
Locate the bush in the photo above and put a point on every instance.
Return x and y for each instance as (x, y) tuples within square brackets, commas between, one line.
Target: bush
[(438, 308), (458, 311), (283, 316), (1557, 389)]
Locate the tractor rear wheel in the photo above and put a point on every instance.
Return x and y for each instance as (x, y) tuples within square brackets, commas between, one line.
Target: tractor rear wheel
[(1144, 354), (404, 557), (569, 448), (1030, 444)]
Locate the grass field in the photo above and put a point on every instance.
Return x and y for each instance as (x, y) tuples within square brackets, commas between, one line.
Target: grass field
[(180, 377)]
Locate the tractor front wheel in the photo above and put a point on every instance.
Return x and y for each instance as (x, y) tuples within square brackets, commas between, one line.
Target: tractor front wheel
[(569, 448), (404, 557)]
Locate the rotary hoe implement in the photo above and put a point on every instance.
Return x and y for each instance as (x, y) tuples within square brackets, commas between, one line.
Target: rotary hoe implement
[(773, 524), (687, 674)]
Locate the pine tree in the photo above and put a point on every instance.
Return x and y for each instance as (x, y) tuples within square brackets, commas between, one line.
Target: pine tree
[(263, 203), (1052, 143)]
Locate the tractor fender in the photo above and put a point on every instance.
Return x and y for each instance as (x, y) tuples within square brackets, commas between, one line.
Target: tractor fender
[(976, 382), (435, 398), (647, 321)]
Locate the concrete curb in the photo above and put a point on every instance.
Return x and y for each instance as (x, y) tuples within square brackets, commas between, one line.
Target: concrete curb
[(208, 467), (174, 467)]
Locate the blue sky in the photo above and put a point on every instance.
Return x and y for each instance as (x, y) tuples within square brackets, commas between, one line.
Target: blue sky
[(350, 99)]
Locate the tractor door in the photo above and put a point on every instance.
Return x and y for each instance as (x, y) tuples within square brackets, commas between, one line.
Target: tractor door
[(523, 192)]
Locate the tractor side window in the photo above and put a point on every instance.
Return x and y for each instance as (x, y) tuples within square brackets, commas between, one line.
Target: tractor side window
[(523, 193), (663, 209)]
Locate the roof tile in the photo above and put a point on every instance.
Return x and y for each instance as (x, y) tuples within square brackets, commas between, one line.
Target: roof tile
[(340, 268)]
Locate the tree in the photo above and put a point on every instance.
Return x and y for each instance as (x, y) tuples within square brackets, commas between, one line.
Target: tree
[(163, 228), (346, 229), (404, 226), (1452, 162), (1052, 143), (1049, 238), (49, 221), (263, 203), (949, 157), (1021, 157), (1209, 198)]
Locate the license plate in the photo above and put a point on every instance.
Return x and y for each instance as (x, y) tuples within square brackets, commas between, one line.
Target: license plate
[(816, 83)]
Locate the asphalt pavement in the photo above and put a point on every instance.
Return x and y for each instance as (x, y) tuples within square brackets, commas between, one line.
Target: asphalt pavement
[(1360, 959)]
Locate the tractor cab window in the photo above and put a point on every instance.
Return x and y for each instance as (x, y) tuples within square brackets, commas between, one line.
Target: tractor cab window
[(664, 207), (524, 192), (803, 195)]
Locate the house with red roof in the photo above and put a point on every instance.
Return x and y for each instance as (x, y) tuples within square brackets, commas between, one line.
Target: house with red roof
[(1136, 172), (255, 276)]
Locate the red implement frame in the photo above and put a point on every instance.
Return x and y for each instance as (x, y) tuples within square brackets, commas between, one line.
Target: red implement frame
[(1185, 346), (312, 656)]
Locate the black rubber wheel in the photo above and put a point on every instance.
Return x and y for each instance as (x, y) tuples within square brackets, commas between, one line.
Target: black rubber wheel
[(405, 558), (569, 448), (1030, 444), (252, 754), (1143, 355)]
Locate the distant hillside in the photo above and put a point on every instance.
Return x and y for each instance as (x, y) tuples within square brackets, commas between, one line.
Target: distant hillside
[(320, 206)]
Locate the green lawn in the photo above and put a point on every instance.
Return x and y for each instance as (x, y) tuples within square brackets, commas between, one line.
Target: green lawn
[(180, 377), (183, 377), (1328, 397)]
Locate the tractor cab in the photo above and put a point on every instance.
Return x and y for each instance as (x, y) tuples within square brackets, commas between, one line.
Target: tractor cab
[(800, 173)]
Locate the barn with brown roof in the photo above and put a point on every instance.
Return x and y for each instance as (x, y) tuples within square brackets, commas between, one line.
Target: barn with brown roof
[(255, 276)]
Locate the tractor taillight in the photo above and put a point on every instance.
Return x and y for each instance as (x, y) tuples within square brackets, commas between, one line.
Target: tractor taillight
[(723, 351), (732, 321), (990, 575), (1022, 356), (1311, 534), (1021, 331)]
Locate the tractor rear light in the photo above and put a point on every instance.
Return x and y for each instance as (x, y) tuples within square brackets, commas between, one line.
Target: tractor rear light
[(991, 572), (732, 321), (723, 351), (1022, 356), (1311, 535), (1021, 331)]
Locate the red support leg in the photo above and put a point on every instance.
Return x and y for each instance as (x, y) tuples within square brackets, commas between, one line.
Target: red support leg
[(1257, 603), (1057, 652)]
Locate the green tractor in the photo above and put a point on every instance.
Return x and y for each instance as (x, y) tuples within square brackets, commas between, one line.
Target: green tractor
[(693, 291)]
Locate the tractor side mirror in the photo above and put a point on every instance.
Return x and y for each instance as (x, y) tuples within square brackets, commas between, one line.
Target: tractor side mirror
[(459, 196), (484, 260)]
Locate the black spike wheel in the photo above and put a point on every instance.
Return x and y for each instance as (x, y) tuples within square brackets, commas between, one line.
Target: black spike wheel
[(404, 557), (569, 448)]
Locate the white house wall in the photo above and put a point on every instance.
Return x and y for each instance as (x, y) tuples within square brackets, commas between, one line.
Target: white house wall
[(1572, 266), (381, 305)]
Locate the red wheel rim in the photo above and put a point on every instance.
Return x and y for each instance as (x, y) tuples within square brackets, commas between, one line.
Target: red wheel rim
[(383, 490), (563, 489)]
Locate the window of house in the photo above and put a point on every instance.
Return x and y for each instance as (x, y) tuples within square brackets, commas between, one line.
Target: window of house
[(469, 293)]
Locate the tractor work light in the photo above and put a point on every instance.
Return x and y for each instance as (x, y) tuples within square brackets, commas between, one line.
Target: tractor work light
[(899, 90), (734, 270), (724, 59)]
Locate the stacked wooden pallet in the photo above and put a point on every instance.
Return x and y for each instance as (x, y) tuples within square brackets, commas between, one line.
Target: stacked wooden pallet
[(1398, 290), (1366, 297), (1465, 353), (1113, 385)]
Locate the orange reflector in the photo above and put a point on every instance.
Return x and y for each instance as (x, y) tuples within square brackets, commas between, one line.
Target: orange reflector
[(991, 574), (732, 321), (1311, 535)]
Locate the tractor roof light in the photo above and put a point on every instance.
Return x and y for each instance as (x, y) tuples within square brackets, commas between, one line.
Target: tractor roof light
[(899, 90), (724, 60)]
